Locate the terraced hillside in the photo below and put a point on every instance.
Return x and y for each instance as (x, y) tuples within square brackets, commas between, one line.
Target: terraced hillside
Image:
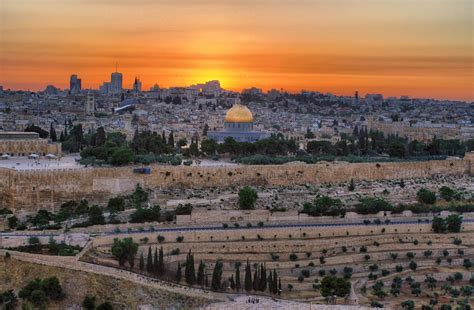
[(365, 255)]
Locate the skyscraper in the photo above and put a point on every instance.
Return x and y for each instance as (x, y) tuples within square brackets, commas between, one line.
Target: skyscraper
[(116, 82), (75, 84)]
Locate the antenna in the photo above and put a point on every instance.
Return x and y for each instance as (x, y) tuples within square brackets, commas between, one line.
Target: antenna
[(116, 65)]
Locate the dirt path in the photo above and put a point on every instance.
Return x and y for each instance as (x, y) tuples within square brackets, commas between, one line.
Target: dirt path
[(71, 262)]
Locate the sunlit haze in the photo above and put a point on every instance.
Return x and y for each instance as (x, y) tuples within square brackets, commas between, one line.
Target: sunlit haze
[(420, 48)]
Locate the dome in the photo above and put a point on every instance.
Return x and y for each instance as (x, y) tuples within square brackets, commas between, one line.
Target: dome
[(239, 114)]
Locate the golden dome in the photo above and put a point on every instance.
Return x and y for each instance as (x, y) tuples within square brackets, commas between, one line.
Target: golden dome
[(239, 114)]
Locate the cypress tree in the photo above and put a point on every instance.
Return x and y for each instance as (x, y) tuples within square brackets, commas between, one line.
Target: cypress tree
[(171, 139), (256, 280), (163, 137), (52, 134), (263, 278), (200, 273), (279, 286), (237, 277), (275, 282), (142, 262), (232, 283), (248, 278), (161, 263), (192, 271), (270, 282), (178, 273), (149, 261), (155, 262), (207, 280), (217, 276), (186, 268)]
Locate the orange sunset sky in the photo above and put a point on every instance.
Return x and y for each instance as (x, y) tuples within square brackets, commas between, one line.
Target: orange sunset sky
[(420, 48)]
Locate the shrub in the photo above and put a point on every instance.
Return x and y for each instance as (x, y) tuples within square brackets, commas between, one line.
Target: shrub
[(247, 198), (371, 205), (447, 193), (293, 257), (426, 196)]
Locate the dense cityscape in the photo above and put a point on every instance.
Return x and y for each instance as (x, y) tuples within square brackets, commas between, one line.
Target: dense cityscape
[(244, 155)]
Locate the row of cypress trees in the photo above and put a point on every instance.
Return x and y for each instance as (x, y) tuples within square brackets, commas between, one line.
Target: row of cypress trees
[(260, 281), (155, 264)]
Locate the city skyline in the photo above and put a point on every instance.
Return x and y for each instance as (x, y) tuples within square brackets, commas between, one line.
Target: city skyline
[(419, 49)]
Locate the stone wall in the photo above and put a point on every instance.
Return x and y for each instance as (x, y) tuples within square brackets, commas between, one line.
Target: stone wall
[(36, 189)]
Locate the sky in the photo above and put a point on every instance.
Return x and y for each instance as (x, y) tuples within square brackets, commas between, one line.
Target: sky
[(419, 48)]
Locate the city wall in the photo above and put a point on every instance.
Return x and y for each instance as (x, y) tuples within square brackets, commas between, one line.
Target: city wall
[(36, 189)]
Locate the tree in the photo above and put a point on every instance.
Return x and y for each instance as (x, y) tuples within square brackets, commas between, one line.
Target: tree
[(96, 217), (171, 139), (454, 223), (413, 265), (238, 285), (178, 273), (12, 222), (439, 225), (209, 147), (408, 305), (43, 134), (52, 133), (125, 251), (53, 246), (149, 261), (100, 136), (324, 205), (331, 285), (248, 278), (142, 262), (397, 149), (182, 142), (200, 273), (9, 300), (247, 198), (189, 273), (105, 306), (216, 281), (122, 156), (89, 302), (156, 263), (426, 196), (116, 204), (38, 298), (161, 263)]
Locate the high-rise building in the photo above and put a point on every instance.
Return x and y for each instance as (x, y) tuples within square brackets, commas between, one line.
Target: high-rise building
[(116, 82), (75, 84)]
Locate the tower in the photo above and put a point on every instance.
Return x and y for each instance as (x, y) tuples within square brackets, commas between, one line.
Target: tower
[(137, 85), (356, 97), (90, 104), (75, 84), (116, 81)]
